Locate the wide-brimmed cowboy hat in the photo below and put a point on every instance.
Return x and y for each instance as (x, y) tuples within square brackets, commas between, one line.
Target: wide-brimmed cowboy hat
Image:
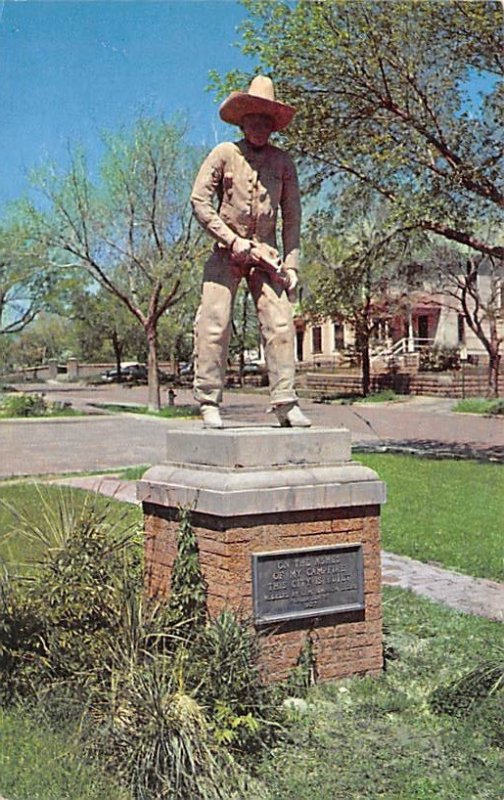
[(260, 99)]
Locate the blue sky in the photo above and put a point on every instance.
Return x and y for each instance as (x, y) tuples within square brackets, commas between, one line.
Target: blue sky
[(68, 70)]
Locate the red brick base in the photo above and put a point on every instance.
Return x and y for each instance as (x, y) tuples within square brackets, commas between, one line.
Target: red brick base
[(344, 644)]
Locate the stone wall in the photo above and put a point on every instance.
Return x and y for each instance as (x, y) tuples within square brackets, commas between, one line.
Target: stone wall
[(445, 384)]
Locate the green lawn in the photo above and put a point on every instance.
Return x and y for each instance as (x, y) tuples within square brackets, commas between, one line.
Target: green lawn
[(167, 412), (480, 405), (36, 502), (449, 512), (37, 764), (49, 414), (379, 738), (360, 739)]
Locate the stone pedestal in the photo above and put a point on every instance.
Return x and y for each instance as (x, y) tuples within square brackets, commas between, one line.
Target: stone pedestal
[(288, 533)]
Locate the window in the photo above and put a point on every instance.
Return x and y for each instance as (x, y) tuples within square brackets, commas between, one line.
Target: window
[(299, 345), (317, 339), (339, 336), (461, 329), (423, 328)]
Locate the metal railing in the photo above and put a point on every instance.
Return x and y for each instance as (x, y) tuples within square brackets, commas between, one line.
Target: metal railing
[(404, 346)]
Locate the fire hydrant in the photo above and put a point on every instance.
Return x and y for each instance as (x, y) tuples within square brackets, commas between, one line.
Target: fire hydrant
[(171, 397)]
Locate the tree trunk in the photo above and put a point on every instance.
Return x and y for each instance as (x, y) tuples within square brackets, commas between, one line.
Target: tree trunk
[(366, 366), (152, 366), (243, 336), (118, 348), (493, 374)]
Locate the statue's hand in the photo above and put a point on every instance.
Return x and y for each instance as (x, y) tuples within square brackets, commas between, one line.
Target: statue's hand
[(293, 279), (240, 249)]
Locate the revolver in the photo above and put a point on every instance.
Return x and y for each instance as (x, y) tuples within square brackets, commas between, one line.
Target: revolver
[(266, 258)]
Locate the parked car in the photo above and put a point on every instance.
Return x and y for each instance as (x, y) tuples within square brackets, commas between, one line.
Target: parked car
[(186, 368), (186, 373), (131, 372), (254, 368)]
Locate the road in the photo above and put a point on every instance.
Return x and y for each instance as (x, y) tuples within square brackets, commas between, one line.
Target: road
[(30, 447)]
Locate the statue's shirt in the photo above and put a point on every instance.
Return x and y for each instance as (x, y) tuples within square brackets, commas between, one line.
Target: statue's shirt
[(251, 185)]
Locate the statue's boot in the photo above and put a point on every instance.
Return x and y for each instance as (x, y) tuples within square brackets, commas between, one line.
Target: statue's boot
[(211, 415), (290, 415)]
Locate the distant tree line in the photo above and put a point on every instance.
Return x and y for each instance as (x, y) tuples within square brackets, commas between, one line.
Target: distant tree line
[(401, 169)]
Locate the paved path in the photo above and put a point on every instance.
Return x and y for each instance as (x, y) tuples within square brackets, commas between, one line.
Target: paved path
[(104, 442), (29, 447), (471, 595)]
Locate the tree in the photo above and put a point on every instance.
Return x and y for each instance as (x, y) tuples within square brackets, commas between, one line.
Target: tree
[(355, 273), (132, 230), (47, 337), (382, 95), (24, 285), (101, 322), (245, 335), (474, 286)]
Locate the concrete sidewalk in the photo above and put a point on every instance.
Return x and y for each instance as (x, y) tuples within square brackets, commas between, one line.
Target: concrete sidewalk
[(41, 446), (464, 593)]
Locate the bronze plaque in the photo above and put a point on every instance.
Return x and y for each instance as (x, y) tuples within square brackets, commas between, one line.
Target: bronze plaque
[(311, 582)]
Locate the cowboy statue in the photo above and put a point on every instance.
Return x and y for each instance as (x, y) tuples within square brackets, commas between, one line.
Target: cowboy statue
[(251, 179)]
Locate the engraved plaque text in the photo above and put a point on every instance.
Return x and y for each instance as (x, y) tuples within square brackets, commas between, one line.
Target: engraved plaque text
[(311, 582)]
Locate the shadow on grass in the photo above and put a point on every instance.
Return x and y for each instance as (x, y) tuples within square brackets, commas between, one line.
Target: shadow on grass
[(433, 448)]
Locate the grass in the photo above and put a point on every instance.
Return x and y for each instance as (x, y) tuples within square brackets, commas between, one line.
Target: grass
[(50, 413), (380, 738), (339, 399), (359, 739), (133, 473), (386, 396), (480, 405), (20, 405), (167, 412), (448, 512), (30, 499), (37, 764)]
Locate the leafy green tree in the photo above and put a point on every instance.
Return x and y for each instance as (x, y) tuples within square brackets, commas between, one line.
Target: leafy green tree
[(473, 285), (24, 285), (49, 336), (102, 324), (132, 229), (358, 272), (382, 96)]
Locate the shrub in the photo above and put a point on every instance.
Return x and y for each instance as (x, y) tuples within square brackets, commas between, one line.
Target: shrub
[(243, 708), (439, 359), (496, 407), (463, 694), (24, 405), (304, 675), (161, 701), (187, 603), (58, 622), (160, 743)]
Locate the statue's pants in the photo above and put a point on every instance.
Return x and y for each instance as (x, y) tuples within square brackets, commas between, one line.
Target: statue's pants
[(212, 329)]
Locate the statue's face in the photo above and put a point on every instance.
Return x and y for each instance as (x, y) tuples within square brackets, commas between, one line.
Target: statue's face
[(257, 129)]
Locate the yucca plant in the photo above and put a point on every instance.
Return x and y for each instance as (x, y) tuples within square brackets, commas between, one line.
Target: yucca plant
[(461, 696), (65, 606), (160, 743), (159, 698)]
